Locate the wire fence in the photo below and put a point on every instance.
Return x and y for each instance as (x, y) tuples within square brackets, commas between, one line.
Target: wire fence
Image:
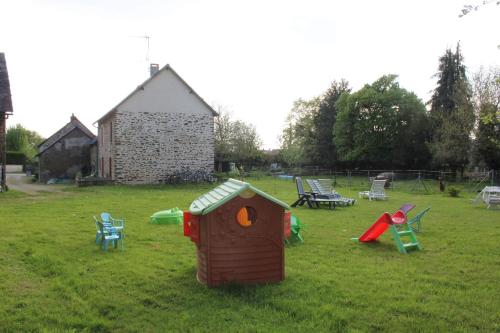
[(413, 181)]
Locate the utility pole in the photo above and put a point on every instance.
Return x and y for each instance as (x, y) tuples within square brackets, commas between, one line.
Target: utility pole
[(5, 111)]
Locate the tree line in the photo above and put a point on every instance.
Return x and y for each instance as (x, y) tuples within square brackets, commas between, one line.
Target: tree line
[(380, 126), (384, 126)]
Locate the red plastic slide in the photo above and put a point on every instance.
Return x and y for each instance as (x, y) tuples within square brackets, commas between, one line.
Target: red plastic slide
[(377, 228)]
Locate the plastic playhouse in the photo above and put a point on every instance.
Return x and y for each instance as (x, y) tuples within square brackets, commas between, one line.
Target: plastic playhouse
[(239, 233), (402, 233)]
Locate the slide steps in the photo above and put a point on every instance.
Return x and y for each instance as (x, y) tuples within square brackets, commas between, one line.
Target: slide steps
[(405, 238)]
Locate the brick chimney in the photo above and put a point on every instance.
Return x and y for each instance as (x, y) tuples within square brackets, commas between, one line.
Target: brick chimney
[(153, 69)]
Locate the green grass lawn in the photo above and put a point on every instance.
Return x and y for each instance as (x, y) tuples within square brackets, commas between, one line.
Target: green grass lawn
[(54, 278)]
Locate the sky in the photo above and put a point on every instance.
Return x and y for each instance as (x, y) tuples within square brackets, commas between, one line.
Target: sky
[(251, 58)]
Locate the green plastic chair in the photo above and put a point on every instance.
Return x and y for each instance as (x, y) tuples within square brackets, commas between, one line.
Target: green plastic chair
[(295, 227), (416, 221)]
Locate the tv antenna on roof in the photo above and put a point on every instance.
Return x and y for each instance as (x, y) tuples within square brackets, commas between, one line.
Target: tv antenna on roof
[(146, 38)]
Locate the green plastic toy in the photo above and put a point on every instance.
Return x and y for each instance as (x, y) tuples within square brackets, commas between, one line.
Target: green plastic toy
[(169, 216), (295, 227)]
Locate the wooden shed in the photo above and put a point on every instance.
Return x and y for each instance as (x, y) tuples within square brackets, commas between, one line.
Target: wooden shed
[(66, 153), (239, 233)]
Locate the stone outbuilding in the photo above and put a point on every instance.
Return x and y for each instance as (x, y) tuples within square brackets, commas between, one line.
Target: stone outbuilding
[(161, 128), (66, 153)]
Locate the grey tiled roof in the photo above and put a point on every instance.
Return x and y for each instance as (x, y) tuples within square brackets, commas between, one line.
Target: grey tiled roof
[(5, 97), (74, 123)]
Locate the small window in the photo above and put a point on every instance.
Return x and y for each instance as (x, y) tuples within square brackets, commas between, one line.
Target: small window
[(111, 132), (246, 216)]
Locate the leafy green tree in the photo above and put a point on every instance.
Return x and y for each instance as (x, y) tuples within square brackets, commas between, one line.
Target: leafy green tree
[(222, 137), (452, 113), (486, 93), (23, 140), (381, 126), (298, 136), (235, 141), (245, 143)]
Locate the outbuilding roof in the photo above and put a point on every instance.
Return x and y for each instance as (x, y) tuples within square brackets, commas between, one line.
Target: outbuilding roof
[(225, 192), (5, 97), (68, 128)]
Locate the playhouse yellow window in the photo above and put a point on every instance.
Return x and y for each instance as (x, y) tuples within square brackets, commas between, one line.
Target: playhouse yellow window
[(246, 216)]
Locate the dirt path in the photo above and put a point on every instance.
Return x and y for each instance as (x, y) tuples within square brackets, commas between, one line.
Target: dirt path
[(22, 183)]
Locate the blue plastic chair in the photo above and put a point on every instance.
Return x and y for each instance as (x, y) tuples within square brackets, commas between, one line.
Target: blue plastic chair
[(98, 234), (108, 234), (118, 224)]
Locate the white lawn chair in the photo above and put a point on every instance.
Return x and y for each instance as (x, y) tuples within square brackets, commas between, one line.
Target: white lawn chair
[(492, 201), (490, 195), (377, 191)]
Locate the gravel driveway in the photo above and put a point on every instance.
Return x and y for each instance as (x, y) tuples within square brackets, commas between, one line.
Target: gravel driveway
[(22, 183)]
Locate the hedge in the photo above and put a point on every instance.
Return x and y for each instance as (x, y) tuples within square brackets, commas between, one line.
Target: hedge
[(16, 157)]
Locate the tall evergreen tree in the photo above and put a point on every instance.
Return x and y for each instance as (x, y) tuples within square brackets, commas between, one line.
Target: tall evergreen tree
[(452, 113), (323, 149)]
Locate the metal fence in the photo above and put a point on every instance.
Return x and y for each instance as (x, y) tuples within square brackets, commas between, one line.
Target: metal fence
[(427, 181)]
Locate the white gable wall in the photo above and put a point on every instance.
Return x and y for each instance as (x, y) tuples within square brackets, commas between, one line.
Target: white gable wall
[(165, 93)]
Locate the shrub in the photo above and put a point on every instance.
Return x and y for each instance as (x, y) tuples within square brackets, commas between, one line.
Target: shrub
[(16, 157), (453, 191)]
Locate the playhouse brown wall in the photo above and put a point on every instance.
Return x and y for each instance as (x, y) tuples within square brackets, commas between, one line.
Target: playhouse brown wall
[(228, 252)]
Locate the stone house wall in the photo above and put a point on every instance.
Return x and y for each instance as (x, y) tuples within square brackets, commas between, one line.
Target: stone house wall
[(148, 146), (66, 157), (105, 159)]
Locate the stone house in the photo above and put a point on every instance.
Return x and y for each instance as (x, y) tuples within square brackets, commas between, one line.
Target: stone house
[(66, 153), (162, 127)]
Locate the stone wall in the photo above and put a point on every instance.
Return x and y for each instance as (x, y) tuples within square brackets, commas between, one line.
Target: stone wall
[(148, 146), (105, 144)]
